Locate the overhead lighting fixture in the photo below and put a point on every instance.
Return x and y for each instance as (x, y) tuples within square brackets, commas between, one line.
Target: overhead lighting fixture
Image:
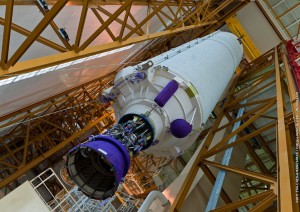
[(43, 4), (64, 34)]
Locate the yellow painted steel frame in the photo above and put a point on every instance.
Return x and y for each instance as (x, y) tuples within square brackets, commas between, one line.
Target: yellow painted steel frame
[(249, 47), (175, 16), (170, 41), (33, 134), (37, 140), (139, 179), (63, 120), (278, 181)]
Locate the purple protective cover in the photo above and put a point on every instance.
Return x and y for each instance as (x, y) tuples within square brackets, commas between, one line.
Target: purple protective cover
[(180, 128), (167, 92), (114, 152)]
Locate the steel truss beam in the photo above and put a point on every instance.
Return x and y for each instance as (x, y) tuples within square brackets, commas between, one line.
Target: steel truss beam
[(40, 39), (7, 30), (35, 33), (33, 134), (184, 12), (176, 17), (139, 180), (170, 41), (249, 47), (279, 17), (96, 3), (270, 183)]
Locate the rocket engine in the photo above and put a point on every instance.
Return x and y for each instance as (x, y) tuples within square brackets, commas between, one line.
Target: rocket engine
[(161, 106)]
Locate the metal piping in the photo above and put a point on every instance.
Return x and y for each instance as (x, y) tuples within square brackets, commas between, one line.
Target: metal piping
[(214, 196), (153, 195)]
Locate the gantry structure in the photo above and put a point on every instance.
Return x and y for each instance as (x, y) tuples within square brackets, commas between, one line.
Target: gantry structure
[(38, 135), (197, 17), (33, 134), (266, 123)]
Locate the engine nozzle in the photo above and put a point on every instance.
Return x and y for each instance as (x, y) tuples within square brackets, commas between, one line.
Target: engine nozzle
[(98, 166)]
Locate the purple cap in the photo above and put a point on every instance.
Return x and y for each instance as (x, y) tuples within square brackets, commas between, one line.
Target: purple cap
[(163, 97), (180, 128)]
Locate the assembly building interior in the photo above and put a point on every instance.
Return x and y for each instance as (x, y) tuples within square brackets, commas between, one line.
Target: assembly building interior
[(149, 105)]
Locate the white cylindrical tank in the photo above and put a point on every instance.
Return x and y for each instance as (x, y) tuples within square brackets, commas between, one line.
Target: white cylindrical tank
[(202, 68)]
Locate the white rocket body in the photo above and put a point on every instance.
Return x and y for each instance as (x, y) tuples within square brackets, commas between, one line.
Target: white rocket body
[(202, 68), (161, 106)]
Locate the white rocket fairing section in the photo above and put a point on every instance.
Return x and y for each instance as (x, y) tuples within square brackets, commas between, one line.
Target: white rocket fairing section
[(202, 68)]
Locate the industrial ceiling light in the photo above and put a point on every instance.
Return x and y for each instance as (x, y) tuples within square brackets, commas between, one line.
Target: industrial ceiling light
[(64, 34), (43, 5)]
